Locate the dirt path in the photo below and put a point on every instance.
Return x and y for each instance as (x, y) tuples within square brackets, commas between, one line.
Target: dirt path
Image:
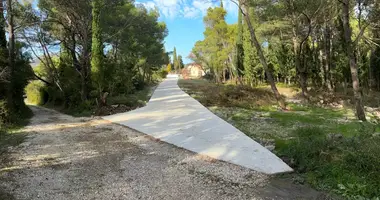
[(81, 158)]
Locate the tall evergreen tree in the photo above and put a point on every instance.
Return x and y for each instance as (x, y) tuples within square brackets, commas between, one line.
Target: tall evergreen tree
[(97, 64), (175, 60), (260, 54), (180, 62), (239, 48)]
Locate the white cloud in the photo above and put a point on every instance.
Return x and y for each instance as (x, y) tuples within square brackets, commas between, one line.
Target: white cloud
[(202, 5), (187, 8), (231, 7), (190, 12), (149, 5)]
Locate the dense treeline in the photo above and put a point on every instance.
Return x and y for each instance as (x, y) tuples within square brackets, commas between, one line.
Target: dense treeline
[(106, 47), (15, 70), (87, 51), (328, 45)]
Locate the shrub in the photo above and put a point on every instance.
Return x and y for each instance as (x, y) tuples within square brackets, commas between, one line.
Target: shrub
[(36, 93), (308, 148), (163, 73), (350, 166), (4, 114)]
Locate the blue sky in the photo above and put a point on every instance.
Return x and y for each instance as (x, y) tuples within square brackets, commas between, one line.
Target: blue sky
[(184, 19)]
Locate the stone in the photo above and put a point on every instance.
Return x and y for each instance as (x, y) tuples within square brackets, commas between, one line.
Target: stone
[(270, 147), (376, 134), (333, 136)]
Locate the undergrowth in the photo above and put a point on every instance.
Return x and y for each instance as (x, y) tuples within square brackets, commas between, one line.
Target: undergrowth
[(327, 146), (349, 166)]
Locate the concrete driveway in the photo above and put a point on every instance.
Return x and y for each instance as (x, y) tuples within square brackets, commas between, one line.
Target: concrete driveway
[(174, 117)]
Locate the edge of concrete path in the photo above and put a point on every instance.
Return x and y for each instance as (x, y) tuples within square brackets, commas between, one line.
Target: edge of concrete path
[(289, 170), (282, 170)]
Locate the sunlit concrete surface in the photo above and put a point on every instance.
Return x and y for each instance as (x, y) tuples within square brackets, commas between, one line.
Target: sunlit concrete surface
[(174, 117)]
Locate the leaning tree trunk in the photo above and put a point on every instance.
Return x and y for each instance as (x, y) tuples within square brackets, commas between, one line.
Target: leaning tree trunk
[(262, 59), (352, 61)]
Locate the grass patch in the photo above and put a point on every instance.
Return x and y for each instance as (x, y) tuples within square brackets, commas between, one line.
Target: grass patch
[(348, 166), (328, 147)]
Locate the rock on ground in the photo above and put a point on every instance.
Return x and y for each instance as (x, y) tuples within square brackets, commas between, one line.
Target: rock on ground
[(82, 158)]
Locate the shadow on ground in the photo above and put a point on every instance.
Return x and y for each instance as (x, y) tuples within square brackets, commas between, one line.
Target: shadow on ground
[(81, 158)]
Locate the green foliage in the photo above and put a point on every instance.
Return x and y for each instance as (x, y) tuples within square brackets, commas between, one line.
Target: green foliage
[(215, 52), (169, 68), (4, 113), (346, 165), (97, 67), (122, 56), (175, 60), (36, 93), (23, 73), (239, 45), (163, 73), (137, 99), (328, 147), (180, 62)]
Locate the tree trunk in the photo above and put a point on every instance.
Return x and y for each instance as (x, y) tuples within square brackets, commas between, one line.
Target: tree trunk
[(11, 53), (85, 76), (322, 68), (3, 39), (327, 57), (239, 49), (352, 61), (262, 58), (301, 71), (97, 72)]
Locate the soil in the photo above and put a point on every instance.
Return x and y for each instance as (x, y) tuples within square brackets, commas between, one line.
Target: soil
[(89, 158)]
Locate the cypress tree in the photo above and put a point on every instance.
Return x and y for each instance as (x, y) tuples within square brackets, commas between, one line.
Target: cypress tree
[(175, 60), (97, 48)]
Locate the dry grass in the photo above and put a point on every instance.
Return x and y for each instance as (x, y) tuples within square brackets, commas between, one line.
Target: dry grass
[(322, 140), (210, 94)]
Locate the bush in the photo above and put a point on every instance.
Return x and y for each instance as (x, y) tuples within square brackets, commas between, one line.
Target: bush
[(36, 93), (4, 114), (307, 149), (163, 73), (350, 166)]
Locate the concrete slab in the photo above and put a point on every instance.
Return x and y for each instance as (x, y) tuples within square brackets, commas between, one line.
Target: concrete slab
[(174, 117)]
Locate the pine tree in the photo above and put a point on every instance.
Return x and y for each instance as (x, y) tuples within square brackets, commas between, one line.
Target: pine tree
[(260, 54), (239, 48)]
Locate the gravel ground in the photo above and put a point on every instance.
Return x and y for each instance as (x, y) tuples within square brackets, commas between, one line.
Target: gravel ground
[(82, 158)]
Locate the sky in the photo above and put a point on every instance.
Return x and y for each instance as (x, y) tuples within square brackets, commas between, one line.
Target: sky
[(184, 20)]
